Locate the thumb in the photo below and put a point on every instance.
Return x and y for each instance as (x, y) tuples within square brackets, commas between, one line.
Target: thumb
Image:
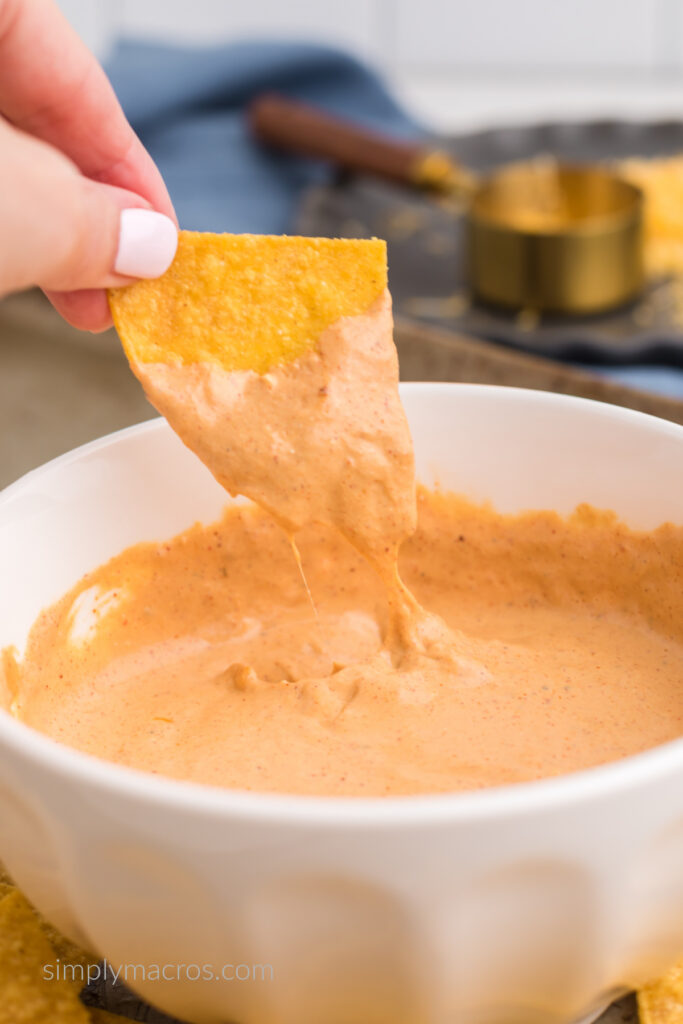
[(63, 232)]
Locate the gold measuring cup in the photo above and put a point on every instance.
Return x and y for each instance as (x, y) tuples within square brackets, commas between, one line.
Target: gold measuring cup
[(541, 235)]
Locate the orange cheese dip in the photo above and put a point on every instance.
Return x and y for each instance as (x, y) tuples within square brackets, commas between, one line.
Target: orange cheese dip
[(497, 649), (206, 661)]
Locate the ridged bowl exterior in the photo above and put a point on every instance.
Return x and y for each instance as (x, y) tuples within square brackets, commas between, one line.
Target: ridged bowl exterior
[(531, 904)]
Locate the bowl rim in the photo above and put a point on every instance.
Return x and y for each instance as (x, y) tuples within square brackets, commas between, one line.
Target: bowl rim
[(197, 799)]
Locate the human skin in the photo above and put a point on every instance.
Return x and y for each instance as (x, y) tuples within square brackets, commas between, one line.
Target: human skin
[(69, 165)]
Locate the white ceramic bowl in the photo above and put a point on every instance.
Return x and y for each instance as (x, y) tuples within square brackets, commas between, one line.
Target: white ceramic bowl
[(531, 904)]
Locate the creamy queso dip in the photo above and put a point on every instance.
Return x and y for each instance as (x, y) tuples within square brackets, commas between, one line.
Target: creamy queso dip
[(293, 647)]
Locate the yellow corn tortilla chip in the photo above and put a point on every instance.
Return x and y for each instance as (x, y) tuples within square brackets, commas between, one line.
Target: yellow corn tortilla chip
[(661, 1002), (247, 302), (6, 883), (67, 952), (25, 933), (26, 995)]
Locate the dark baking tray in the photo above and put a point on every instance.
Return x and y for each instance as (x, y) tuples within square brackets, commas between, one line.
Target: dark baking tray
[(426, 245)]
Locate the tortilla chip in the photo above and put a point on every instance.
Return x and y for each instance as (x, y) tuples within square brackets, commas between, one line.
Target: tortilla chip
[(27, 996), (63, 949), (67, 951), (661, 1002), (247, 302), (6, 883)]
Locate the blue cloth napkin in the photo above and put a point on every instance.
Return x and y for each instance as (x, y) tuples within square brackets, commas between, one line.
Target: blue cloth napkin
[(187, 106)]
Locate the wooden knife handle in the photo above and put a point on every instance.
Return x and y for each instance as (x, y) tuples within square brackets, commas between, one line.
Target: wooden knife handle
[(288, 124)]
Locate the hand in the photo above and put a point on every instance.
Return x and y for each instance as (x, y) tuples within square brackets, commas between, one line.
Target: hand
[(78, 190)]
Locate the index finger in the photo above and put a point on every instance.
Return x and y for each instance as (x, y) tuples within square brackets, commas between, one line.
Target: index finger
[(52, 87)]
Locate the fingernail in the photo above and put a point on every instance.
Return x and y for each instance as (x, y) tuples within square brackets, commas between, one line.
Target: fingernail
[(147, 243)]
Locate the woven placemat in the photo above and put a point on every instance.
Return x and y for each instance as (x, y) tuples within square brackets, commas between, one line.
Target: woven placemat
[(434, 353)]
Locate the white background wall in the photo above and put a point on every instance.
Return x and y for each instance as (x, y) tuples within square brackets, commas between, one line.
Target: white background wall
[(455, 62)]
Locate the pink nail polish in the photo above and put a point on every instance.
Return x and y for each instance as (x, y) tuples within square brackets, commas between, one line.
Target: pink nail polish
[(147, 243)]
